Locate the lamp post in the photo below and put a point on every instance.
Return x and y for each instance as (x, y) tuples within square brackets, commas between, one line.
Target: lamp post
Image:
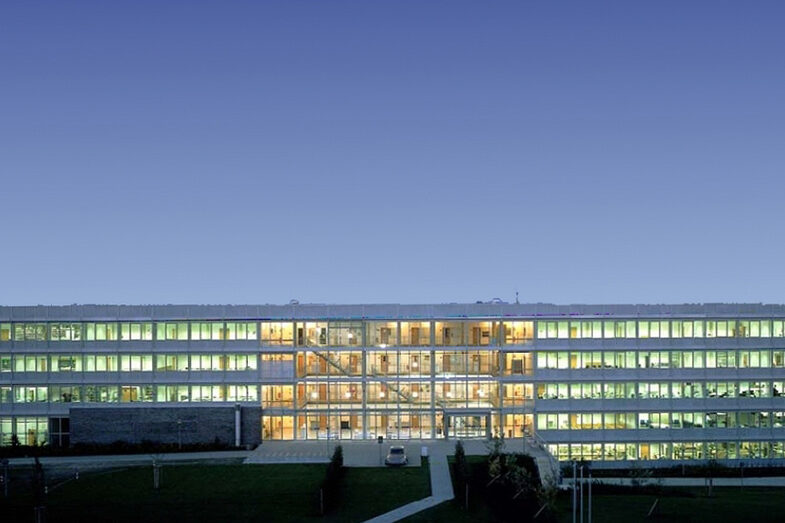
[(581, 493), (574, 492), (6, 477)]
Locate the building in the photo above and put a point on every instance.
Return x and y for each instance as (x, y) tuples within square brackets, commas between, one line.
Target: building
[(597, 382)]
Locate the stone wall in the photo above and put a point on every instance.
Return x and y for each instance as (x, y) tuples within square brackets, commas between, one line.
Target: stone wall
[(184, 425)]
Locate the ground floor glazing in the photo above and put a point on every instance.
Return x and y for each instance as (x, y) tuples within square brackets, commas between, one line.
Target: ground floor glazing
[(392, 424)]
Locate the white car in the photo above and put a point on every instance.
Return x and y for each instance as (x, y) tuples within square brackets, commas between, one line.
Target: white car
[(396, 456)]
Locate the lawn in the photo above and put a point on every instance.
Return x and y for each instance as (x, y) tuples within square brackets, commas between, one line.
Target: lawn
[(728, 504), (762, 505), (453, 511), (202, 493)]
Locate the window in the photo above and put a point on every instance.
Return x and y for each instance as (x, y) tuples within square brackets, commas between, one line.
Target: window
[(653, 329), (134, 393), (241, 330), (65, 331), (449, 333), (312, 334), (30, 394), (31, 363), (240, 362), (171, 362), (136, 331), (101, 394), (277, 396), (101, 331), (207, 330), (170, 331), (32, 431), (100, 363), (65, 394), (136, 362), (30, 332), (553, 360), (66, 363), (415, 333), (518, 332), (5, 332), (172, 394), (277, 333), (242, 393), (345, 333), (207, 393)]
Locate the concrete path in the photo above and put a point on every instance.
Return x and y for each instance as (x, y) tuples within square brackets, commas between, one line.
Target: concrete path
[(696, 482), (131, 459), (441, 482), (441, 490), (355, 453)]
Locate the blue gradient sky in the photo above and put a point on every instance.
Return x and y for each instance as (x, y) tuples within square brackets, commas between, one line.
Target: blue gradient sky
[(253, 152)]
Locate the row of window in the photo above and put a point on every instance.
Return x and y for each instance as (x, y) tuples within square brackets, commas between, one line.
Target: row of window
[(391, 333), (641, 329), (659, 420), (674, 359), (114, 331), (302, 334), (126, 362), (395, 362), (463, 393), (349, 363), (677, 450), (29, 431), (467, 394), (661, 390), (127, 393)]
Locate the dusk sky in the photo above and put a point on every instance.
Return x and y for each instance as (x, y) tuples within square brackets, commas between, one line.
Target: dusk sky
[(412, 152)]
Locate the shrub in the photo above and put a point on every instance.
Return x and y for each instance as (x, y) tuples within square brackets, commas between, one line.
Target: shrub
[(331, 485)]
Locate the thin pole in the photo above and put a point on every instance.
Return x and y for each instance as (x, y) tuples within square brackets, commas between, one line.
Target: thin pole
[(574, 486), (589, 495), (6, 478), (581, 494)]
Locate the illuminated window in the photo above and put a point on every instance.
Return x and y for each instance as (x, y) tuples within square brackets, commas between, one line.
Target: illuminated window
[(277, 333)]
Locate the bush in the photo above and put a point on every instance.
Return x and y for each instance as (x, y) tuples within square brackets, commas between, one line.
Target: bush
[(512, 486)]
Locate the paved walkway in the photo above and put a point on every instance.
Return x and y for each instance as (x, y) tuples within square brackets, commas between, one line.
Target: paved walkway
[(696, 482), (355, 453), (441, 489), (441, 482), (131, 459)]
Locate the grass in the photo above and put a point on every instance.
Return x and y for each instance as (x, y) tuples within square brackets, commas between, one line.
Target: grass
[(759, 504), (453, 511), (205, 493), (762, 505)]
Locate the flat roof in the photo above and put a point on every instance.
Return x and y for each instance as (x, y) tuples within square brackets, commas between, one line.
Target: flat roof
[(306, 311)]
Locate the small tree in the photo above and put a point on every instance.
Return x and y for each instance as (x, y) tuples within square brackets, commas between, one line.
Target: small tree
[(461, 466), (461, 470), (496, 457), (331, 486), (639, 476), (15, 441), (337, 456)]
